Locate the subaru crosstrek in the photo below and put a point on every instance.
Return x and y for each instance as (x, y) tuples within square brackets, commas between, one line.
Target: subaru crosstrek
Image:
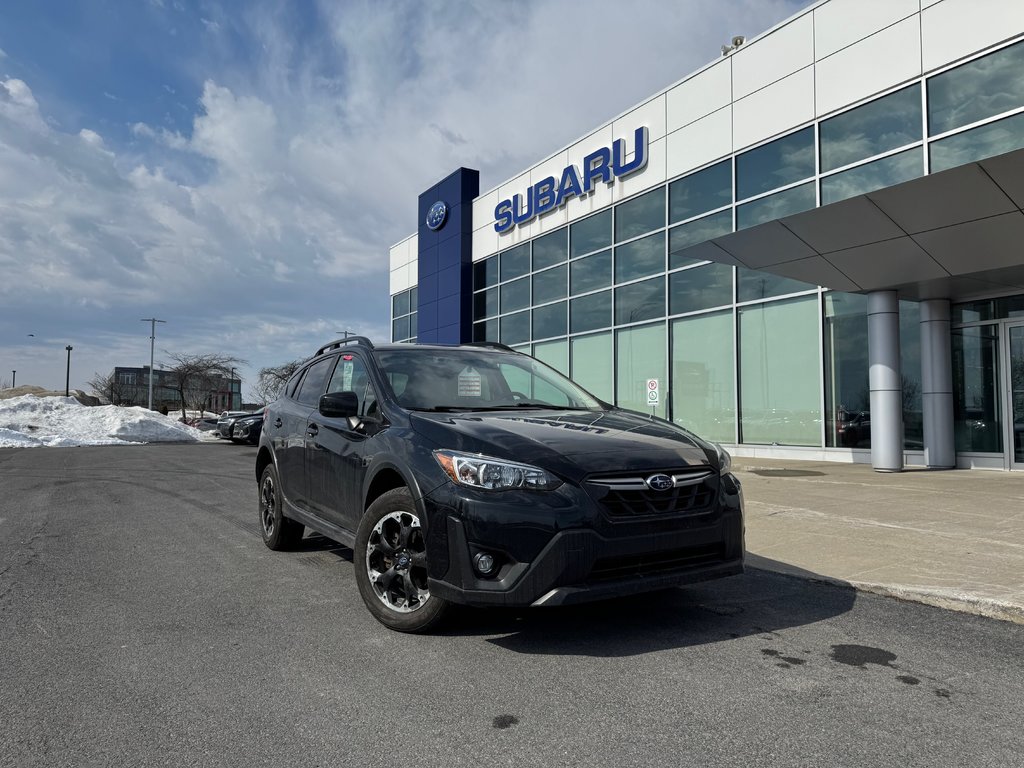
[(475, 474)]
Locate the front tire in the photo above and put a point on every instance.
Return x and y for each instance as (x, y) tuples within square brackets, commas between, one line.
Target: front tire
[(391, 565), (279, 532)]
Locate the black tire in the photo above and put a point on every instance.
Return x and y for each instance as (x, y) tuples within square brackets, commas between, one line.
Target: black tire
[(279, 532), (391, 565)]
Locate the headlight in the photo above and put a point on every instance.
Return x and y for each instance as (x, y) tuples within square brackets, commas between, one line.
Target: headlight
[(724, 459), (490, 474)]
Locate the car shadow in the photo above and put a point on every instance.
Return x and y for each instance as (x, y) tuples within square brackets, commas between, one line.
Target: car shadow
[(758, 602)]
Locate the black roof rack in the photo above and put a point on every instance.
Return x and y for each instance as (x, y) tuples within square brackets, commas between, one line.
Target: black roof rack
[(492, 345), (339, 343)]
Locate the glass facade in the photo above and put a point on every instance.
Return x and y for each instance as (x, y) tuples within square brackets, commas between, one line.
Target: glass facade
[(622, 295)]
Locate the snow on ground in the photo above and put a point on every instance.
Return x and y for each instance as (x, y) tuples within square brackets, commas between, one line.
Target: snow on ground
[(31, 421)]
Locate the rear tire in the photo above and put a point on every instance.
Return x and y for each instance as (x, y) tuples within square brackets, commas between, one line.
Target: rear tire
[(279, 532), (391, 565)]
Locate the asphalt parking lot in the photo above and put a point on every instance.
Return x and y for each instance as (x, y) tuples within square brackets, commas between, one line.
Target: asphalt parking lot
[(143, 622)]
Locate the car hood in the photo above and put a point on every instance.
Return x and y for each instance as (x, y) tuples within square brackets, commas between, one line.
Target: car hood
[(569, 443)]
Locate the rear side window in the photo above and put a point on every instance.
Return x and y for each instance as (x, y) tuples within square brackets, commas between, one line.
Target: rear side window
[(314, 381)]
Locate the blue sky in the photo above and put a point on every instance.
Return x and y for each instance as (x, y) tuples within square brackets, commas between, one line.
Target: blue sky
[(241, 168)]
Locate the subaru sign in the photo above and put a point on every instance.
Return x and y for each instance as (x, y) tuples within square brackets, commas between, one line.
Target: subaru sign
[(605, 164)]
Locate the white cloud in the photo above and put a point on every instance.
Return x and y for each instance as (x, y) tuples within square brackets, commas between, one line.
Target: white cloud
[(3, 53)]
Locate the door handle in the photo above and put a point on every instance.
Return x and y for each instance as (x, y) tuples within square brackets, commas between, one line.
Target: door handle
[(312, 430), (277, 423)]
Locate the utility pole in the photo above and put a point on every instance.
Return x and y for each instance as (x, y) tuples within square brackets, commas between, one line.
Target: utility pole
[(14, 379), (67, 381), (152, 342)]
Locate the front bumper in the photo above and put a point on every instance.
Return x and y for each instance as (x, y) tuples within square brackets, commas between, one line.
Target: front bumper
[(557, 553)]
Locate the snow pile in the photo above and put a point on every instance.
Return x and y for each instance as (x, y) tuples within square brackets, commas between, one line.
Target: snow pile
[(31, 421)]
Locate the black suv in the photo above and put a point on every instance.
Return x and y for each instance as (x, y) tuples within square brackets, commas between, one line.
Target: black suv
[(475, 474)]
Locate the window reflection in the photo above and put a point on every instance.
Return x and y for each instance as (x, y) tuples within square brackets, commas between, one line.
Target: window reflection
[(549, 285), (977, 417), (754, 284), (978, 89), (590, 273), (515, 295), (876, 127), (485, 273), (700, 288), (639, 258), (871, 176), (549, 321), (694, 232), (847, 394), (702, 375), (641, 356), (515, 262), (775, 164), (593, 364), (910, 374), (776, 206), (701, 191), (485, 303), (515, 329), (640, 301), (640, 215), (550, 249), (588, 313), (978, 143), (590, 234)]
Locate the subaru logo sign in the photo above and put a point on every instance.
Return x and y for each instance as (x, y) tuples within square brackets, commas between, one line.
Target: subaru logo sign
[(437, 215), (659, 482)]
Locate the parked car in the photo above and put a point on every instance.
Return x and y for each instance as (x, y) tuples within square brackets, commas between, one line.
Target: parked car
[(226, 422), (247, 429), (478, 475)]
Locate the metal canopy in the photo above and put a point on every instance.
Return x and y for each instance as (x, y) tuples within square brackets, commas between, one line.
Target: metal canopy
[(957, 234)]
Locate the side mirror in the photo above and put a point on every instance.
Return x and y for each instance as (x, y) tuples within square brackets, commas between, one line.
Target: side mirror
[(339, 405)]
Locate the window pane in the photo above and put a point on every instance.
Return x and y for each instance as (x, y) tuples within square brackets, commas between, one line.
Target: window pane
[(780, 391), (694, 232), (754, 285), (414, 299), (515, 329), (640, 301), (703, 376), (515, 262), (315, 381), (413, 323), (641, 356), (551, 249), (590, 234), (591, 312), (871, 176), (485, 331), (485, 304), (640, 215), (981, 88), (977, 416), (549, 285), (590, 273), (554, 353), (515, 295), (400, 329), (847, 396), (910, 373), (700, 288), (549, 321), (639, 258), (400, 304), (871, 129), (700, 192), (776, 206), (592, 365), (485, 273), (776, 164), (978, 143)]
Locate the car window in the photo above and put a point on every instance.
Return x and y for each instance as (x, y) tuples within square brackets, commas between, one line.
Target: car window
[(350, 375), (312, 385)]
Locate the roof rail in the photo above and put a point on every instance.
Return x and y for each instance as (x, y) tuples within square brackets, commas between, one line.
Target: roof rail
[(339, 343), (492, 345)]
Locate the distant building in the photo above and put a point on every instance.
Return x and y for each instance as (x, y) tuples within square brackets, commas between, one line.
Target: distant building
[(130, 386)]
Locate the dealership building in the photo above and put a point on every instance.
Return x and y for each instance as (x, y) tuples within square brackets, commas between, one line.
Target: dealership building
[(815, 243)]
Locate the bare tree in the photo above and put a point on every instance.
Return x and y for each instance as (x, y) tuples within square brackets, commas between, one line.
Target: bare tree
[(270, 381), (107, 387), (196, 377)]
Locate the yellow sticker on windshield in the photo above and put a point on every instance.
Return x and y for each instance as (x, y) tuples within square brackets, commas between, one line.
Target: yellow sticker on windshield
[(470, 383)]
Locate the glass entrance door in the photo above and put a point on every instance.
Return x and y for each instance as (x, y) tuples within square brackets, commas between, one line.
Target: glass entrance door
[(1015, 393)]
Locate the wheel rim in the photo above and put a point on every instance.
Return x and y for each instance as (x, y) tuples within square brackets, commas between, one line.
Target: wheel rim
[(396, 562), (268, 506)]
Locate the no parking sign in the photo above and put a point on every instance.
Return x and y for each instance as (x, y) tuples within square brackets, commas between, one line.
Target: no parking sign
[(652, 393)]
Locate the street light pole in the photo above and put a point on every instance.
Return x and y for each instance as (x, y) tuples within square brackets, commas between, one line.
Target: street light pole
[(67, 381), (231, 390), (152, 342), (14, 379)]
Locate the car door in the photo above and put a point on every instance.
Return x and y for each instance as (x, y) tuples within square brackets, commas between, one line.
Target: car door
[(289, 431), (338, 452)]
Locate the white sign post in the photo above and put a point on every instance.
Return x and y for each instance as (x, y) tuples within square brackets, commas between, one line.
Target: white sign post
[(653, 397)]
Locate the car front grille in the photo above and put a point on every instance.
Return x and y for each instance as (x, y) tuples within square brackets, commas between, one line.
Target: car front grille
[(693, 491), (654, 563)]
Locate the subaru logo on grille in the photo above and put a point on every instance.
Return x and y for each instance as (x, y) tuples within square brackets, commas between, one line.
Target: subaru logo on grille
[(659, 482)]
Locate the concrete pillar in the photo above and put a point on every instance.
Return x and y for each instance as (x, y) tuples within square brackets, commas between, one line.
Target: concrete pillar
[(884, 381), (937, 385)]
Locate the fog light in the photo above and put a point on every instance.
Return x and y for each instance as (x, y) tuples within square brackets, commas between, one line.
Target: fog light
[(484, 563)]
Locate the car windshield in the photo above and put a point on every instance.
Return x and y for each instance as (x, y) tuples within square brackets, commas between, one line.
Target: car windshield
[(432, 379)]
